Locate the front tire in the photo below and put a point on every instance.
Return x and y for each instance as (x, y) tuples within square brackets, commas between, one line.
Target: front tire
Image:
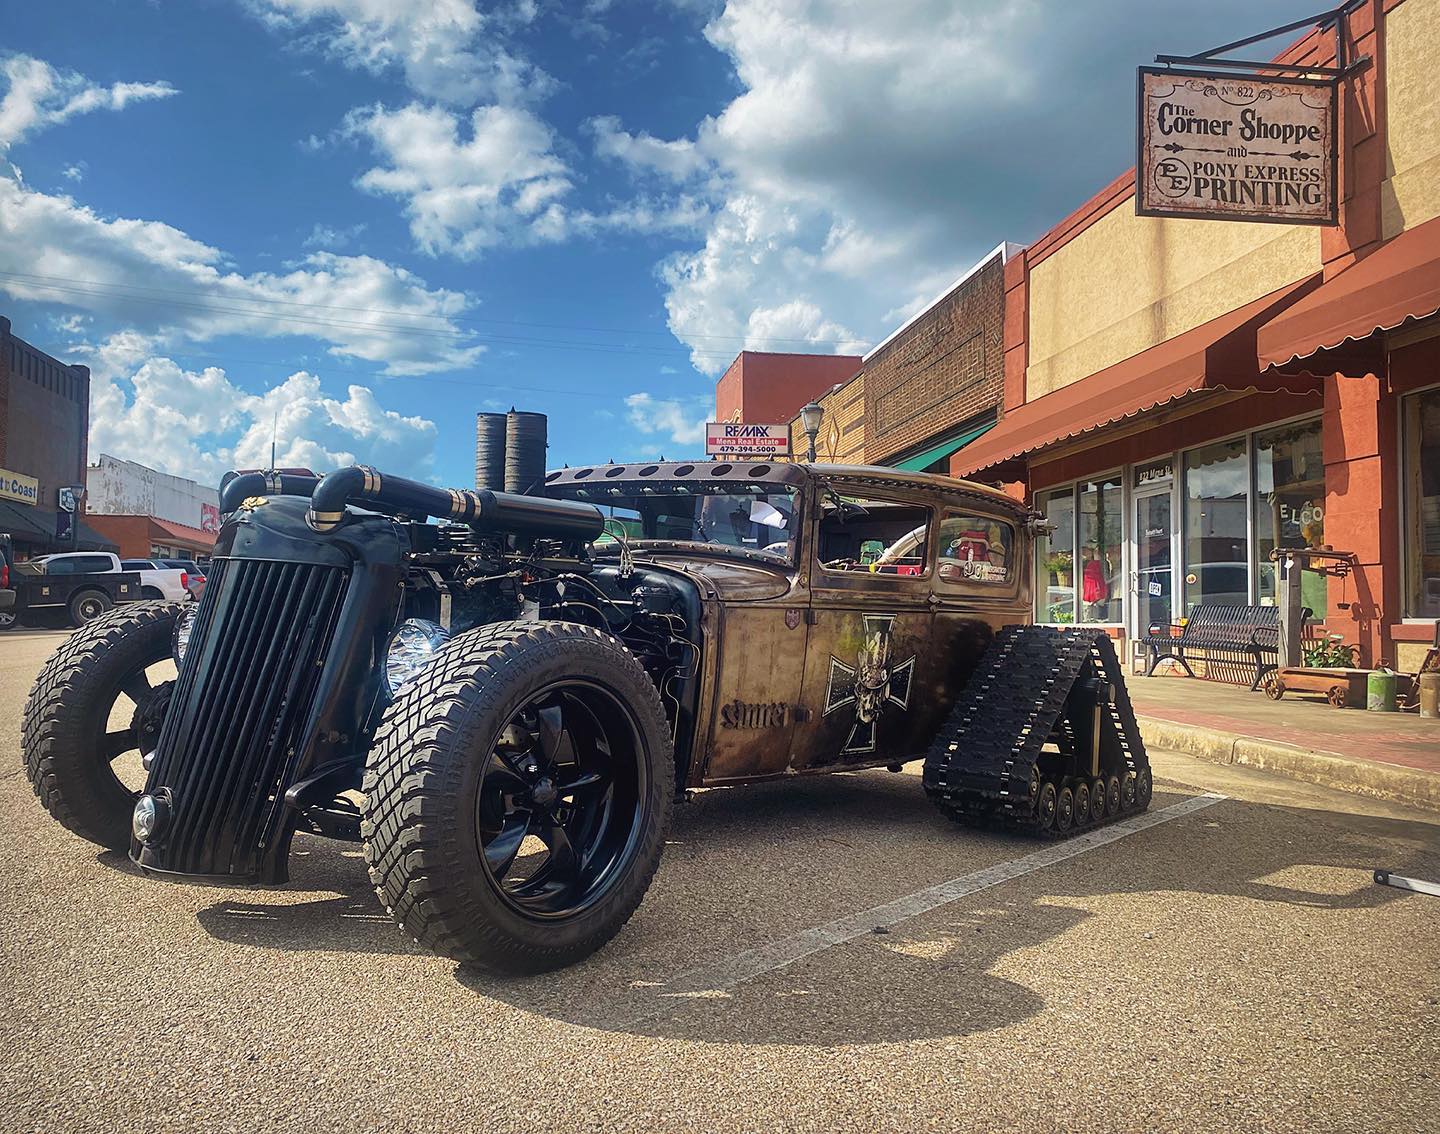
[(540, 736), (67, 745)]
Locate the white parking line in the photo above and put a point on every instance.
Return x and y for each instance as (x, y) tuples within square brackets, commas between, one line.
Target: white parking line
[(647, 1001)]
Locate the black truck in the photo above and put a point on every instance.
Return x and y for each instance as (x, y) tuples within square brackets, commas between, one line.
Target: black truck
[(80, 586)]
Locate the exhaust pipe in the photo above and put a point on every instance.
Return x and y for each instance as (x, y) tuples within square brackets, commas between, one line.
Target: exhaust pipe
[(482, 509)]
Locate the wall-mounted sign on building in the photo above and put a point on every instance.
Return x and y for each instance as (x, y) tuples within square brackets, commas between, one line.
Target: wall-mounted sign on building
[(18, 486), (1236, 147), (743, 439)]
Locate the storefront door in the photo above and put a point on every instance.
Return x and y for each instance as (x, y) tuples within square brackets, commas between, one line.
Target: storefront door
[(1153, 554)]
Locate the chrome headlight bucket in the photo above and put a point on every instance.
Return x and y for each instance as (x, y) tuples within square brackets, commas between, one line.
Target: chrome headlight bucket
[(412, 647)]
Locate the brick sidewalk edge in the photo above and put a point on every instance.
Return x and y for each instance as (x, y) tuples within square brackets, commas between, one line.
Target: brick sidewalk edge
[(1390, 782)]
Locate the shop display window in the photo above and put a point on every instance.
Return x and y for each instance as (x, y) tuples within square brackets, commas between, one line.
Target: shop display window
[(1055, 560), (1420, 415), (1217, 553), (1099, 570), (1079, 568), (1289, 506)]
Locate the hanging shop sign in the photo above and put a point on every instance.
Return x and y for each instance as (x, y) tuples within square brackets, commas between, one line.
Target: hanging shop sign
[(743, 439), (18, 486), (1243, 147)]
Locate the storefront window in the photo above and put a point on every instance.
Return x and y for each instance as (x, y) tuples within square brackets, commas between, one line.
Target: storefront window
[(1055, 560), (1216, 545), (1421, 417), (1289, 506), (1098, 573)]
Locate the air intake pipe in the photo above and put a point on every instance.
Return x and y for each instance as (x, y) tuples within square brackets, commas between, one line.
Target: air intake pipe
[(486, 510), (236, 488)]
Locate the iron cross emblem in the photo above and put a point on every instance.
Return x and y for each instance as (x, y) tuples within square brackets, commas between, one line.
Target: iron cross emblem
[(870, 684)]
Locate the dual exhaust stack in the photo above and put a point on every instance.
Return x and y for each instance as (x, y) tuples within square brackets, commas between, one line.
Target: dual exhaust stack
[(510, 451)]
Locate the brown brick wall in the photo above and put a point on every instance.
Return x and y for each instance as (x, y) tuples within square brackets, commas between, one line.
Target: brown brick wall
[(843, 429), (942, 370), (52, 400)]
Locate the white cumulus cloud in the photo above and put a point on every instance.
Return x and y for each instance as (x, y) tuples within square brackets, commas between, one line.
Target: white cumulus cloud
[(38, 95), (467, 186), (448, 50), (679, 421), (200, 423), (158, 279)]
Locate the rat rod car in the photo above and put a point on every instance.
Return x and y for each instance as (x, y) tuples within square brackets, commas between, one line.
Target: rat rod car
[(504, 705)]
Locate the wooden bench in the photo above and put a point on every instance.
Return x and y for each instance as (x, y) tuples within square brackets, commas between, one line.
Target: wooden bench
[(1229, 639)]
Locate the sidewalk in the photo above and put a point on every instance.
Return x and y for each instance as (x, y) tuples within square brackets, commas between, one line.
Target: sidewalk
[(1394, 756)]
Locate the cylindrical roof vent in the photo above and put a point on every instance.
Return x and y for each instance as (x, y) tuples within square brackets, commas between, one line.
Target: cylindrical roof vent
[(524, 451), (490, 451)]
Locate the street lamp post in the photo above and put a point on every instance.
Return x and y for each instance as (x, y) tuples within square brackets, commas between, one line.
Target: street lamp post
[(810, 418)]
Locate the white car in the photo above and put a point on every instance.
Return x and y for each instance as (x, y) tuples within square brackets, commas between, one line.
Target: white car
[(163, 583)]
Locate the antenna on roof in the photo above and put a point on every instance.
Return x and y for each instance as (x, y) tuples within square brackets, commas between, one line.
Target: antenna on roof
[(274, 432)]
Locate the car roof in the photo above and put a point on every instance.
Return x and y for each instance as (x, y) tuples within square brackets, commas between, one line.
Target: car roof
[(788, 473)]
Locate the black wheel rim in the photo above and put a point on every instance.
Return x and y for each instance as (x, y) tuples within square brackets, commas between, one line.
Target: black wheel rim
[(1064, 809), (1112, 794), (142, 732), (90, 609), (1082, 803), (562, 793)]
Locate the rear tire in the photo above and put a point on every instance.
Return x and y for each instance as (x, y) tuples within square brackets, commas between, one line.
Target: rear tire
[(454, 771), (66, 747)]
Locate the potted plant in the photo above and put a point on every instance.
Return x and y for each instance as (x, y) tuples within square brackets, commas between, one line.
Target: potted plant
[(1060, 565)]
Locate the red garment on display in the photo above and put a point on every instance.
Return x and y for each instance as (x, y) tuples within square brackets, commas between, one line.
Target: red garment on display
[(1093, 580)]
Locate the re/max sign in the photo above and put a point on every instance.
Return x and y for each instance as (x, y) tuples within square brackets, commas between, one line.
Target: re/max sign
[(746, 439)]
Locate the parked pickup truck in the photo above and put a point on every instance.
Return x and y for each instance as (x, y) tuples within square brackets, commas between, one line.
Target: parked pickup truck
[(83, 584), (7, 590), (160, 579)]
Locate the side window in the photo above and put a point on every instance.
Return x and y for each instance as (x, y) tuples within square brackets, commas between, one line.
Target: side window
[(975, 549), (881, 537)]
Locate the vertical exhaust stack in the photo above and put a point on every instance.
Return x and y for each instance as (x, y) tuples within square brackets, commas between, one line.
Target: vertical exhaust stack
[(525, 441), (490, 451)]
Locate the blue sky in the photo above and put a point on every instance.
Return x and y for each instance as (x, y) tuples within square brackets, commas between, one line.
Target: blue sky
[(358, 222)]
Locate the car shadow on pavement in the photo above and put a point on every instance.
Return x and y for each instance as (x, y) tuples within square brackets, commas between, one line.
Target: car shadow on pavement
[(932, 977)]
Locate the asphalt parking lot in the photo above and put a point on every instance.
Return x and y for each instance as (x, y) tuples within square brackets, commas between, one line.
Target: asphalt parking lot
[(1229, 966)]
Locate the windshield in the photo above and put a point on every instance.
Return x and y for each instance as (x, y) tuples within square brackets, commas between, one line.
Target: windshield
[(758, 518)]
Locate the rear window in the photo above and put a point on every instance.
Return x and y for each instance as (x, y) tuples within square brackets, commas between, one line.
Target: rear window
[(978, 549)]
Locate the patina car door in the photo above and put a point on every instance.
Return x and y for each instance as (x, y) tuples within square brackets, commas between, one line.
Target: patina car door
[(869, 693)]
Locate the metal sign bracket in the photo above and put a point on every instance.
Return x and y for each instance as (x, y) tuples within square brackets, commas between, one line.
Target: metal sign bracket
[(1332, 18)]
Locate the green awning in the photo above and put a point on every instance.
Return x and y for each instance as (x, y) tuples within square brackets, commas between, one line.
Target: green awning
[(955, 442)]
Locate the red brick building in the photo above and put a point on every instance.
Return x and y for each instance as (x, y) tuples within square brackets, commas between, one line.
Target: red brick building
[(766, 389)]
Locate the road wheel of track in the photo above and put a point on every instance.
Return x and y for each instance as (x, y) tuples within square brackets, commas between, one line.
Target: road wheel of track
[(1097, 799), (86, 606), (1045, 806), (1064, 810), (1127, 791), (517, 796), (1144, 788), (1112, 795), (1082, 804), (69, 745)]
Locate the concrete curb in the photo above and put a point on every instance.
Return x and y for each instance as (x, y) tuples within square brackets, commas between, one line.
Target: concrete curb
[(1390, 782)]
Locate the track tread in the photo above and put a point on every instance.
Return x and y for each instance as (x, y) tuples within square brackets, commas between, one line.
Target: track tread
[(979, 768)]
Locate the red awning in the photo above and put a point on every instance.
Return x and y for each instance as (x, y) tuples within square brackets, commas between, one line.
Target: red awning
[(1400, 280), (168, 531), (1218, 355)]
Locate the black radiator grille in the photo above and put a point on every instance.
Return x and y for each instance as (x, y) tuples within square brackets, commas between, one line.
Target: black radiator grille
[(228, 748)]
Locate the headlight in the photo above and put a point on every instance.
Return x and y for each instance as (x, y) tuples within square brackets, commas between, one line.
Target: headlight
[(149, 817), (412, 647), (183, 626)]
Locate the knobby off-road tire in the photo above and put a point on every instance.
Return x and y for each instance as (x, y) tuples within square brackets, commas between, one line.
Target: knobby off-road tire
[(423, 809), (65, 725)]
